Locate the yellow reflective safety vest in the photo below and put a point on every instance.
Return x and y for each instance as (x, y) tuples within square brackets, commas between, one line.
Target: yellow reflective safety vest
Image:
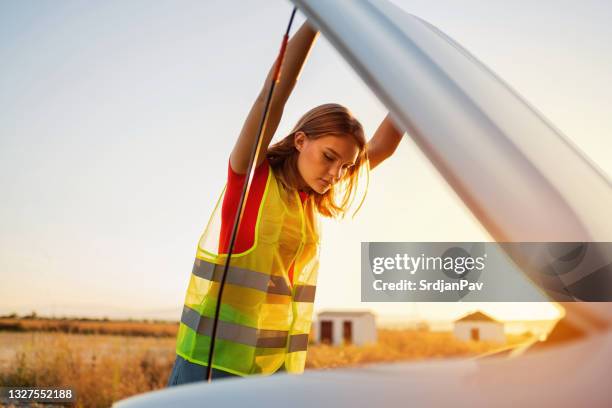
[(264, 321)]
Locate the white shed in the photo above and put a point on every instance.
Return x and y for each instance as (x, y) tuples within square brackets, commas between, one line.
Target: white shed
[(345, 327), (478, 326)]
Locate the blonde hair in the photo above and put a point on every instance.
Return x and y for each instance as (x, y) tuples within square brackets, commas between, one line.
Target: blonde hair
[(330, 119)]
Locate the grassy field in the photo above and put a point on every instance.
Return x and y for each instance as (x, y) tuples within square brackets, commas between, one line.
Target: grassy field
[(106, 367), (91, 326)]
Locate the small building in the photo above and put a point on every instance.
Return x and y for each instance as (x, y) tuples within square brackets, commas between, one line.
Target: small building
[(478, 326), (345, 327)]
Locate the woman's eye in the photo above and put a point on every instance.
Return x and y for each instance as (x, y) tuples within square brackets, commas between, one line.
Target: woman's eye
[(328, 157)]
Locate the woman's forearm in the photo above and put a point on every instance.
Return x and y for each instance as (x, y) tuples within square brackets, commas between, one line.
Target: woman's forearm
[(384, 142), (297, 51)]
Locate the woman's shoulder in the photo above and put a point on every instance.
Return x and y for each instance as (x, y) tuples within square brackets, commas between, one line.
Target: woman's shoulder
[(235, 184)]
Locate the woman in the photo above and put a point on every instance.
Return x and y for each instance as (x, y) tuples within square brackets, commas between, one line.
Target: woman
[(267, 301)]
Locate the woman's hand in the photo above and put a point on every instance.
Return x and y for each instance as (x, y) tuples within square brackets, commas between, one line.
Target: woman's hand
[(297, 51), (384, 142)]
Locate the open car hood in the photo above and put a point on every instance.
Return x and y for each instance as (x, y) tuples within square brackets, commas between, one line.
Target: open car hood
[(520, 177)]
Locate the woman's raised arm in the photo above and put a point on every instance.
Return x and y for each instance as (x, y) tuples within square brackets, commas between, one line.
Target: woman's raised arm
[(384, 142), (297, 51)]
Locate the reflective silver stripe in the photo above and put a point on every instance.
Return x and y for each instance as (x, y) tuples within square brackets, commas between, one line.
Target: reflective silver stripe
[(242, 277), (305, 293), (297, 342), (234, 332)]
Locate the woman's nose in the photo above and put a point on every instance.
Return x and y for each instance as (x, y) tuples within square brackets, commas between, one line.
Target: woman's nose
[(336, 173)]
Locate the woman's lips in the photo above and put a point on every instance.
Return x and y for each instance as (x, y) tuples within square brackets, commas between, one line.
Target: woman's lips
[(325, 183)]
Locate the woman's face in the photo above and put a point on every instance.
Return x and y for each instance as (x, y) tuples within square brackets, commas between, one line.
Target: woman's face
[(324, 161)]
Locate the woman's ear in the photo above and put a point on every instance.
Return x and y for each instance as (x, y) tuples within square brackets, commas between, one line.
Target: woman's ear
[(298, 140)]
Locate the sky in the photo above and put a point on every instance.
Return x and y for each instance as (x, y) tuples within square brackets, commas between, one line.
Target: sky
[(118, 119)]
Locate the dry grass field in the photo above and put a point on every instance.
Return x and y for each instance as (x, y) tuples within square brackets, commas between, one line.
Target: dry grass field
[(90, 326), (105, 367)]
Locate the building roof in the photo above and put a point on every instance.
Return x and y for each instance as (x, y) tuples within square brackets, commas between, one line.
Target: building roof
[(344, 313), (477, 316)]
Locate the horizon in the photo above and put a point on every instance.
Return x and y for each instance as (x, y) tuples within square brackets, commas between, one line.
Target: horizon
[(164, 315), (539, 327)]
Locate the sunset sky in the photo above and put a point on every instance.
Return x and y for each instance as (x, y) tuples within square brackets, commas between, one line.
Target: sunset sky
[(118, 119)]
